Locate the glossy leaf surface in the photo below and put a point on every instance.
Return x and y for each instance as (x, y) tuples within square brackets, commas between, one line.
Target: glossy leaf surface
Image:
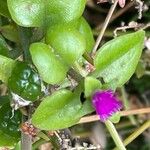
[(25, 82), (9, 126)]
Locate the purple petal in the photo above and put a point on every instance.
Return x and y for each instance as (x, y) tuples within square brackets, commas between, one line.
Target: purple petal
[(106, 104)]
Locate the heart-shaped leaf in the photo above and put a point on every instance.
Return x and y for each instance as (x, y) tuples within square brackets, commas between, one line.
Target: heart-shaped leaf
[(116, 61), (67, 42), (50, 68), (34, 13), (6, 66), (57, 111)]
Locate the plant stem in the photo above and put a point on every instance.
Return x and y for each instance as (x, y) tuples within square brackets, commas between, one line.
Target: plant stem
[(80, 70), (25, 34), (135, 134), (93, 118), (75, 75), (118, 13), (126, 105), (43, 136), (26, 140), (104, 27), (147, 72), (114, 135), (38, 143), (88, 58), (45, 139)]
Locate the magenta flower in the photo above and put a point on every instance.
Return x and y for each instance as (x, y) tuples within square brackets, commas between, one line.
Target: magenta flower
[(106, 104)]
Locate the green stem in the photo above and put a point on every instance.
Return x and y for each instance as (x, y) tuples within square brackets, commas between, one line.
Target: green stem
[(38, 143), (26, 140), (80, 70), (112, 130), (126, 105), (45, 139), (88, 58), (43, 136), (147, 73), (54, 142), (75, 75), (135, 134), (25, 35)]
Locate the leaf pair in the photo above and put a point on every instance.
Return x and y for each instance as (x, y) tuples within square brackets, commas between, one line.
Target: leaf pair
[(115, 62), (67, 44)]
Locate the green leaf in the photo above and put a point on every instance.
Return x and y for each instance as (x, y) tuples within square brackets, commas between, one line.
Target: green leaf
[(3, 47), (57, 111), (6, 140), (6, 66), (49, 66), (116, 61), (34, 13), (18, 146), (91, 84), (86, 108), (115, 118), (86, 31), (87, 104), (3, 100), (61, 110), (10, 32), (67, 42), (9, 126), (4, 9)]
